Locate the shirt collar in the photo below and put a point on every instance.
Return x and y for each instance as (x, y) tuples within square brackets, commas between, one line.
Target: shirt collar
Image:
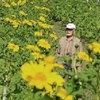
[(70, 39)]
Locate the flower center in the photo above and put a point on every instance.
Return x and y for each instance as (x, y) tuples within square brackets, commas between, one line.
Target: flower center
[(40, 76), (85, 56)]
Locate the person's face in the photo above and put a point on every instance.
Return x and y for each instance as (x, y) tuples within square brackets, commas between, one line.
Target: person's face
[(70, 32)]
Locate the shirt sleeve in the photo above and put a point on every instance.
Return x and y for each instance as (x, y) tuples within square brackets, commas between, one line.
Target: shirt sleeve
[(58, 50), (81, 47)]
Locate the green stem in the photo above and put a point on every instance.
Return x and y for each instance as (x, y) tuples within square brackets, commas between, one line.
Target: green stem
[(74, 63), (98, 84), (97, 97)]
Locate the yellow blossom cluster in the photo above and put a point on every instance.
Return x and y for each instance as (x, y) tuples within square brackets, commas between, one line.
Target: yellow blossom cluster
[(44, 25), (13, 47), (7, 5), (13, 16), (35, 52), (84, 56), (22, 13), (95, 47), (27, 22), (15, 23), (42, 8), (34, 22), (37, 55), (37, 7), (21, 2), (44, 44), (50, 61), (38, 33), (45, 8), (14, 3), (53, 35), (42, 18), (33, 48)]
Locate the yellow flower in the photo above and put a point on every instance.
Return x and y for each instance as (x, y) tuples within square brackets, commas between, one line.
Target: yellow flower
[(38, 33), (42, 18), (37, 7), (45, 8), (7, 5), (50, 66), (36, 55), (43, 25), (96, 50), (13, 3), (90, 46), (40, 76), (95, 47), (53, 36), (7, 19), (44, 44), (15, 23), (49, 60), (14, 16), (32, 2), (84, 56), (27, 22), (33, 48), (13, 47), (34, 22), (48, 90), (64, 95), (22, 13), (56, 65), (69, 97), (21, 2)]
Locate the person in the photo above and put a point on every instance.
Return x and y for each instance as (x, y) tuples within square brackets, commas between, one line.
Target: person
[(69, 44)]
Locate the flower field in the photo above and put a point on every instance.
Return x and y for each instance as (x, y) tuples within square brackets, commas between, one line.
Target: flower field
[(29, 34)]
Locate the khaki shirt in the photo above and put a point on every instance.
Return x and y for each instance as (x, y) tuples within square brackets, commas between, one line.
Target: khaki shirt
[(68, 47)]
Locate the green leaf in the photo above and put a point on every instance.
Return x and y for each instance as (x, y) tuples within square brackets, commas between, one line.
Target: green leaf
[(29, 96), (1, 90), (38, 96), (16, 78), (79, 92)]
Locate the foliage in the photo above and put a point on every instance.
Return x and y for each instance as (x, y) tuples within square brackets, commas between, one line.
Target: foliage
[(19, 20), (24, 23), (84, 14)]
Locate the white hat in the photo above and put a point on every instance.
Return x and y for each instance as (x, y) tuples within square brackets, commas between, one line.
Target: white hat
[(70, 26)]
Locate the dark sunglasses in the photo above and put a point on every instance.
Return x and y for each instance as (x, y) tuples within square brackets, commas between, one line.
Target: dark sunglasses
[(67, 29)]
